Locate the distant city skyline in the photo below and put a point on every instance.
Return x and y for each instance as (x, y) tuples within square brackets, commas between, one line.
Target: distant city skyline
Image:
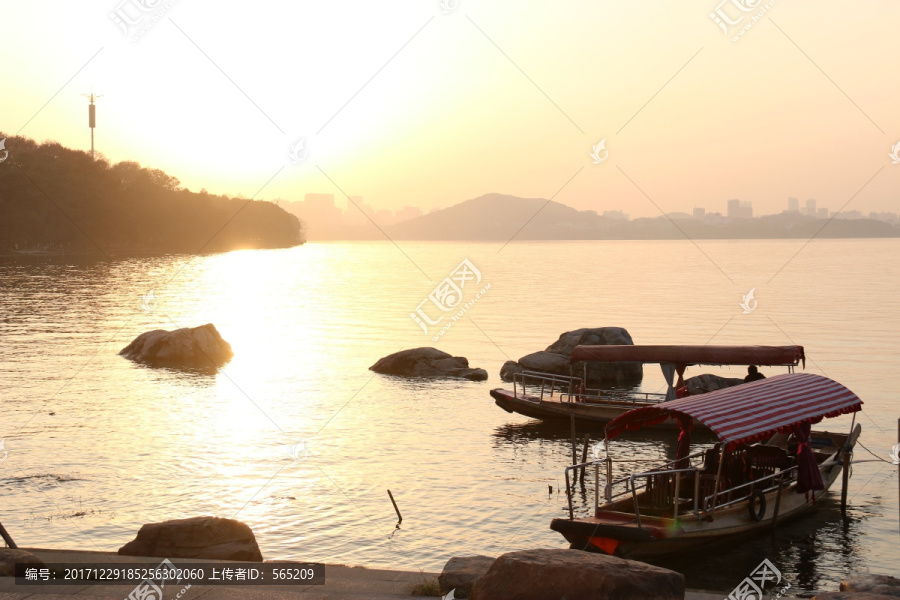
[(325, 219)]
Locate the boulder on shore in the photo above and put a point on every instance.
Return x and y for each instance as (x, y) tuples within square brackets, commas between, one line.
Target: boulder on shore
[(555, 359), (707, 382), (186, 348), (10, 556), (883, 585), (575, 575), (461, 572), (197, 537), (427, 362)]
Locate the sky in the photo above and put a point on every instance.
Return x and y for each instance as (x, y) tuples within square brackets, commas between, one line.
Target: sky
[(415, 103)]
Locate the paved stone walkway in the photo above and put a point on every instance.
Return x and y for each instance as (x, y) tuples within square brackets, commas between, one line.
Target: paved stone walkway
[(341, 582)]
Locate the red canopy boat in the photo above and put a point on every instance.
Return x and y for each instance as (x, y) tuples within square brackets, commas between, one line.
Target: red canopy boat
[(545, 396), (738, 486)]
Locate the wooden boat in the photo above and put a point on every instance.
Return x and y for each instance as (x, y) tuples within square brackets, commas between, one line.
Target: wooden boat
[(547, 396), (738, 487)]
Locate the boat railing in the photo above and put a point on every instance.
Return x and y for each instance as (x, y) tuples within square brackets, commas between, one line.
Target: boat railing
[(615, 489), (548, 381), (597, 396), (751, 487), (666, 475)]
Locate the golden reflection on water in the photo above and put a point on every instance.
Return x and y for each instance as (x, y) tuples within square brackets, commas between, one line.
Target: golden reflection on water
[(306, 323)]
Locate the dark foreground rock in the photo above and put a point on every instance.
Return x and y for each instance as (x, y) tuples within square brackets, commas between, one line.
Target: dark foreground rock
[(575, 575), (852, 596), (865, 587), (701, 384), (427, 362), (196, 537), (9, 557), (461, 572), (187, 348), (555, 359)]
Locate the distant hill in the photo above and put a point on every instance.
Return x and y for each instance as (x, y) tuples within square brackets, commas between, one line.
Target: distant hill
[(498, 217), (55, 199)]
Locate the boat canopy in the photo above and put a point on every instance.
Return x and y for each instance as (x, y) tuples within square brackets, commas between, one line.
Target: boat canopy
[(752, 411), (694, 355)]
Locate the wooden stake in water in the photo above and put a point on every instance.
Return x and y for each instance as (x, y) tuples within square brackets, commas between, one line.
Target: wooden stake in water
[(574, 449), (6, 537), (397, 510), (584, 450), (845, 455)]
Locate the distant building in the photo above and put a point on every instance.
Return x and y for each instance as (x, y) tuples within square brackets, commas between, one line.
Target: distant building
[(822, 213), (615, 214), (699, 213), (738, 209), (358, 213), (320, 212), (810, 207), (889, 217), (793, 205)]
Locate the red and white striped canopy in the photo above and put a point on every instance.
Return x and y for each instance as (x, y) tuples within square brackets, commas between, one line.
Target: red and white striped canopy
[(751, 411)]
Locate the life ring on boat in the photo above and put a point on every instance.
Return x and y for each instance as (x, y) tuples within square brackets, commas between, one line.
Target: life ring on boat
[(757, 514)]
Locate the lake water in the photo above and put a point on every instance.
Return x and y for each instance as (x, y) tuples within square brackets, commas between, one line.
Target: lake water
[(96, 445)]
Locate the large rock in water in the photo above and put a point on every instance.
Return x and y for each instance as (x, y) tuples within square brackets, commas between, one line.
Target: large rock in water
[(575, 575), (707, 382), (461, 572), (196, 537), (865, 587), (555, 359), (187, 348), (10, 556), (427, 362)]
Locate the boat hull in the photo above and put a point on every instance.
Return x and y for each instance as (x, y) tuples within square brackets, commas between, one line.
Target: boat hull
[(594, 412)]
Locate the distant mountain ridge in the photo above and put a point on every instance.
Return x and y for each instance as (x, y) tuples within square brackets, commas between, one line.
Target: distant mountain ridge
[(500, 217)]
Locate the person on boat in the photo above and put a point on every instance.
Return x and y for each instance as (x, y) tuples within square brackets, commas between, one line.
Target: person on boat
[(753, 374)]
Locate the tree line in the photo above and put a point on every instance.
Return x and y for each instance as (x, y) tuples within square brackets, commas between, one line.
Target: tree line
[(60, 200)]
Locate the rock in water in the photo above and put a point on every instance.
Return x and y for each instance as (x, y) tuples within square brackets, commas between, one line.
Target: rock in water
[(575, 575), (884, 585), (10, 556), (555, 359), (707, 382), (427, 362), (196, 537), (461, 572), (187, 348)]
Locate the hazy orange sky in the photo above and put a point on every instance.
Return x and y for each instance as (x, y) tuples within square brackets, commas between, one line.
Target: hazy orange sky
[(403, 104)]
